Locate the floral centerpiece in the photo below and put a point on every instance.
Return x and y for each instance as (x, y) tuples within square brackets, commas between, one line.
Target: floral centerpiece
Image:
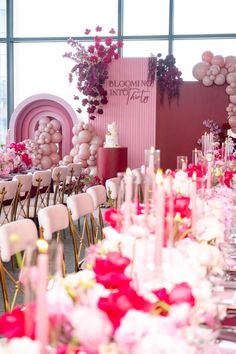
[(16, 158), (91, 70), (86, 180)]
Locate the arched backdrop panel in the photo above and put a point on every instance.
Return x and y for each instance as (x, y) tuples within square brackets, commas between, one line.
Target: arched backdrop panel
[(25, 118)]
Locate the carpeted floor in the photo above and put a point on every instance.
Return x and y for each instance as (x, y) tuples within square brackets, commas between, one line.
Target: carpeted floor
[(70, 267)]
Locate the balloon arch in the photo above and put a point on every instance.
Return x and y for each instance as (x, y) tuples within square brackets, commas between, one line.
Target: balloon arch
[(218, 70)]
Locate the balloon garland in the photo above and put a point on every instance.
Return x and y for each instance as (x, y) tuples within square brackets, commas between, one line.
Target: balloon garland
[(218, 70)]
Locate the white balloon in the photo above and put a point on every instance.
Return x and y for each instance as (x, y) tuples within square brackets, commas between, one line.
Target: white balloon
[(44, 120), (55, 124)]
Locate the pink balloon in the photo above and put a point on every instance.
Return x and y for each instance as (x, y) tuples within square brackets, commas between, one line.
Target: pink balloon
[(230, 59), (41, 127), (233, 84), (232, 99), (84, 136), (231, 78), (56, 125), (207, 56), (56, 137), (91, 163), (232, 122), (218, 60), (44, 120), (84, 155), (75, 140), (230, 90), (84, 146), (223, 71), (220, 79), (46, 162), (84, 163), (53, 147), (46, 149), (67, 159), (200, 70), (55, 158), (207, 81)]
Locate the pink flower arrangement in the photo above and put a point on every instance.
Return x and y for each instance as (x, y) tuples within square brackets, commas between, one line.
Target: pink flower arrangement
[(91, 70)]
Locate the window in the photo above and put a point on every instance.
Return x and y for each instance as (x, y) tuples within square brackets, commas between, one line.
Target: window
[(31, 51)]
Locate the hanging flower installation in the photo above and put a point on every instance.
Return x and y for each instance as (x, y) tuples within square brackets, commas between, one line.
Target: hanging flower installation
[(91, 70), (167, 75)]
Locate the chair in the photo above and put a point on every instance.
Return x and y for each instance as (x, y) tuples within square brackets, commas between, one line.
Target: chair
[(8, 201), (26, 232), (59, 175), (73, 172), (24, 195), (99, 197), (41, 188), (112, 189), (80, 205), (53, 219)]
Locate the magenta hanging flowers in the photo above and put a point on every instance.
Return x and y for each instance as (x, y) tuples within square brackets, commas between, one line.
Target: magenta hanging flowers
[(91, 69), (165, 72)]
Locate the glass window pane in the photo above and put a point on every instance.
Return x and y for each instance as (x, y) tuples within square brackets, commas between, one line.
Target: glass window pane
[(146, 17), (40, 68), (144, 48), (201, 16), (2, 18), (62, 18), (3, 93), (189, 52)]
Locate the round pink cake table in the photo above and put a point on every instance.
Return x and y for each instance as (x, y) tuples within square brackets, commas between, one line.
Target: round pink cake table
[(110, 161)]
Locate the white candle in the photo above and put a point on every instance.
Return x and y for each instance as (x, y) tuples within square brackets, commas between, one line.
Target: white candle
[(128, 197), (41, 300), (160, 215), (193, 202), (151, 161)]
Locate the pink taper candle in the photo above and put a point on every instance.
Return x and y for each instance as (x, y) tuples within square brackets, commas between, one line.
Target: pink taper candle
[(41, 300), (151, 161), (194, 202), (128, 197), (160, 215)]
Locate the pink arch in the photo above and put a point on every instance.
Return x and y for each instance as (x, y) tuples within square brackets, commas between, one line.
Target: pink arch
[(24, 120)]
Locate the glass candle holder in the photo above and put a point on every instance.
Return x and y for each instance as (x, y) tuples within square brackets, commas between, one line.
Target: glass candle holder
[(152, 160), (182, 163)]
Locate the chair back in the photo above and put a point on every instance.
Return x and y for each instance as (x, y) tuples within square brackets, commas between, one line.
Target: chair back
[(26, 232), (53, 218), (73, 173), (24, 193), (98, 194), (59, 175), (112, 188), (80, 205), (8, 200), (41, 183)]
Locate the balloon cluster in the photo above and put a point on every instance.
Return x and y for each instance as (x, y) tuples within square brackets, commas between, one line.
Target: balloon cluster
[(85, 146), (216, 69), (47, 136)]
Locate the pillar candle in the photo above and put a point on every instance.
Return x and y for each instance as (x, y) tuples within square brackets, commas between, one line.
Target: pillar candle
[(41, 300)]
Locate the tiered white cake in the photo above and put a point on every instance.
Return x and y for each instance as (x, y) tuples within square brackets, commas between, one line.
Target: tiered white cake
[(111, 137)]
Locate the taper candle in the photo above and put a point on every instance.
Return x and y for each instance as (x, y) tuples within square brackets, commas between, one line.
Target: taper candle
[(209, 159), (128, 197), (41, 300), (194, 203), (160, 215)]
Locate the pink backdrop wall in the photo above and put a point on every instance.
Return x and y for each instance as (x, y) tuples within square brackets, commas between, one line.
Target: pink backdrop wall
[(132, 105)]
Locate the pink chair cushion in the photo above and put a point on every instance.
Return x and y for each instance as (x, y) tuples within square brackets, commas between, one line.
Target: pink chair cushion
[(53, 218), (10, 188), (27, 233), (98, 193), (61, 171), (80, 205), (25, 180), (46, 177), (112, 185)]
